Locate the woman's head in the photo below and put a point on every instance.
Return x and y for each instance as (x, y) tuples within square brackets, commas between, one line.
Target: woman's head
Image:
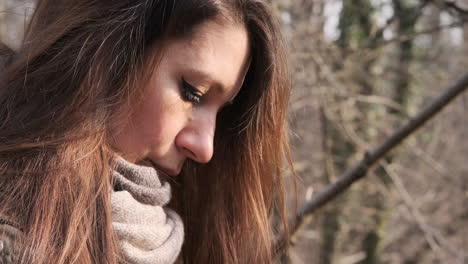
[(196, 77), (94, 77)]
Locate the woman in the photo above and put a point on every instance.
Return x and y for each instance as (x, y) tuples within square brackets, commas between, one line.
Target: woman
[(107, 101)]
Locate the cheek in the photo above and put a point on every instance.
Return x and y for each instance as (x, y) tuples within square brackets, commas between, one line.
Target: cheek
[(136, 134), (158, 121), (155, 121)]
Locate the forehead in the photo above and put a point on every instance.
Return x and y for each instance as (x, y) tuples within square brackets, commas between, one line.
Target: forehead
[(216, 52)]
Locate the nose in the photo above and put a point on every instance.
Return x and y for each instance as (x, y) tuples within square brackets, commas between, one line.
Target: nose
[(195, 141)]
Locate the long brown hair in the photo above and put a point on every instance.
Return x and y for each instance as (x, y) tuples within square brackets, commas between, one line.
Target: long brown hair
[(80, 63)]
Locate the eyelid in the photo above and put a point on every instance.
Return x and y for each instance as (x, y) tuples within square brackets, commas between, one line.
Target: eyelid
[(193, 87), (188, 89), (190, 93)]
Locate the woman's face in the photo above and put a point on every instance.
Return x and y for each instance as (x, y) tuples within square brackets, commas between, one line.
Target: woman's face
[(176, 119)]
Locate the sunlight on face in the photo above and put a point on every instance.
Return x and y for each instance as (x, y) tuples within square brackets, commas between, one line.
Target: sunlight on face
[(176, 119)]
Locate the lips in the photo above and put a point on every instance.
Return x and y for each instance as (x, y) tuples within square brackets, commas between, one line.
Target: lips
[(164, 171)]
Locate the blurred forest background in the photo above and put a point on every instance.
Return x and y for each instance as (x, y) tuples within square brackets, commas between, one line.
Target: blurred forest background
[(360, 69)]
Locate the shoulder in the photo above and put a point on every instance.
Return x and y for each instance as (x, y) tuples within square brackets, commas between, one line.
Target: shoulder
[(10, 243)]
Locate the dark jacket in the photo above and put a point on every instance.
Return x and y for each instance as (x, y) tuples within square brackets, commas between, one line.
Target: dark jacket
[(6, 56), (10, 243), (10, 234)]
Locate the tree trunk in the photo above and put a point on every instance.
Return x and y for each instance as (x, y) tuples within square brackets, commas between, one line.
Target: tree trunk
[(355, 27)]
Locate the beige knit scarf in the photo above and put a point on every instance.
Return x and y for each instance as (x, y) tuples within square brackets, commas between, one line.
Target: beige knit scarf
[(148, 231)]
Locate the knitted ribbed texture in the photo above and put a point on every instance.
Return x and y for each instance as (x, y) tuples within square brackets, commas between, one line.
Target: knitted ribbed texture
[(148, 231)]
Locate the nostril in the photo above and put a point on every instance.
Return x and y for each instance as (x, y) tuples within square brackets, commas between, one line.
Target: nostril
[(190, 154)]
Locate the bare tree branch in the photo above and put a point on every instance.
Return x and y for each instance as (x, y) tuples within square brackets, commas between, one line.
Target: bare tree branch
[(450, 5), (458, 23), (439, 244), (360, 169)]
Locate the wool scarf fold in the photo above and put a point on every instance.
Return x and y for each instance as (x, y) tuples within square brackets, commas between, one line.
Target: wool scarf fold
[(148, 231)]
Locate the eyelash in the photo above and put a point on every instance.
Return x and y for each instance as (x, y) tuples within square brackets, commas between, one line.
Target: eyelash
[(190, 93)]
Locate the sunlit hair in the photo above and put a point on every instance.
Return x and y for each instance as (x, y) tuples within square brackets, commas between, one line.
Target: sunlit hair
[(81, 63)]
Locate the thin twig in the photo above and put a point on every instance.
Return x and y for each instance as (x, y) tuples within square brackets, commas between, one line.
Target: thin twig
[(430, 237), (435, 240), (451, 5), (360, 169), (401, 38)]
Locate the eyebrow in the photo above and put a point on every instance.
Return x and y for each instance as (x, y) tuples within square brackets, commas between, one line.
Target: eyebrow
[(218, 85)]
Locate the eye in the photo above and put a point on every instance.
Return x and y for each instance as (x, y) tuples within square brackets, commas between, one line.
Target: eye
[(190, 93)]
